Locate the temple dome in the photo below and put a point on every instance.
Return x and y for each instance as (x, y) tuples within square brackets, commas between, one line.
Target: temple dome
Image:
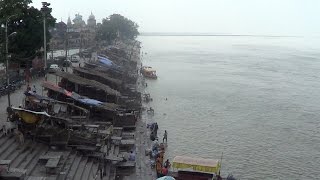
[(92, 16)]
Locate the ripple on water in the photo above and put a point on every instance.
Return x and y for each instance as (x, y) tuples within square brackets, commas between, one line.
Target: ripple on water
[(247, 98)]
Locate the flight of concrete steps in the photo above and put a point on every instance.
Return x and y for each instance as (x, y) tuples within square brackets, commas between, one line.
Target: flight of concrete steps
[(72, 165)]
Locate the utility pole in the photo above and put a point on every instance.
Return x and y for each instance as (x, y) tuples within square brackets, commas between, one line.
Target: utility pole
[(44, 42), (44, 10), (7, 58), (67, 44), (7, 63)]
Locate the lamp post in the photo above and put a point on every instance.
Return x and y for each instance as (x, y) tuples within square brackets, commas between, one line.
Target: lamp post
[(44, 10), (7, 56)]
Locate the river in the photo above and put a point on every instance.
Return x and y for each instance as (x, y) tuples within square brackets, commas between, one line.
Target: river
[(256, 99)]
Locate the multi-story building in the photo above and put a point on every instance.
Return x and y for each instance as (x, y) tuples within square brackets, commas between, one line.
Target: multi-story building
[(74, 34), (58, 34)]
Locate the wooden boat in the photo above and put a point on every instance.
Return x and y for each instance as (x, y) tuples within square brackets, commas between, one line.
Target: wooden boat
[(98, 76), (55, 108), (148, 72), (189, 168), (87, 87), (29, 117), (97, 109)]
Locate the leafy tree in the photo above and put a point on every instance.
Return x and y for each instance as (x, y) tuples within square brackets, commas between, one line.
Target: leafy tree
[(115, 26), (28, 23)]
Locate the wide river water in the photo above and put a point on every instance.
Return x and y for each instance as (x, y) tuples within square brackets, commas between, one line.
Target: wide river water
[(256, 99)]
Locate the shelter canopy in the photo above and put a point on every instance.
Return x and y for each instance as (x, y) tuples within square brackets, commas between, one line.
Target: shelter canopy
[(105, 61), (86, 82), (81, 99), (97, 73)]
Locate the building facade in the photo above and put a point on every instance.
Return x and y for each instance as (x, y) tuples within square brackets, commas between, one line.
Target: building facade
[(74, 34)]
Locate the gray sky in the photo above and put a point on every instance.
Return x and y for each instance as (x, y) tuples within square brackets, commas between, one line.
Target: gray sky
[(258, 17)]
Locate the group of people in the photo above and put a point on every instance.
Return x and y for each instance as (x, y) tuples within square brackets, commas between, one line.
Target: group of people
[(34, 89), (158, 150), (154, 133), (162, 168)]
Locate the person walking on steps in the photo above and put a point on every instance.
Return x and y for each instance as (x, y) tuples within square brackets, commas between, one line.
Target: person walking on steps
[(165, 136)]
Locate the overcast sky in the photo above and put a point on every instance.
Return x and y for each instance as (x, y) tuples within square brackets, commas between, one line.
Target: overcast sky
[(258, 17)]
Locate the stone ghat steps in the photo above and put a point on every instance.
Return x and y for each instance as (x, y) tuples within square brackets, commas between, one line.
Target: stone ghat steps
[(4, 138), (23, 157), (13, 150), (8, 141), (94, 171), (33, 156), (40, 170), (72, 164), (87, 170), (81, 168), (68, 163), (32, 165)]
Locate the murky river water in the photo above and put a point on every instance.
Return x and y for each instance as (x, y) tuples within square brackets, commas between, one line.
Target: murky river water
[(256, 99)]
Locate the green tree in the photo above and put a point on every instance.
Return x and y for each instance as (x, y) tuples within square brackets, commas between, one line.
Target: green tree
[(28, 23), (115, 26)]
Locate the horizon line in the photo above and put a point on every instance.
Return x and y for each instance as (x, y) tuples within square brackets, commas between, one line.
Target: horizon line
[(213, 34)]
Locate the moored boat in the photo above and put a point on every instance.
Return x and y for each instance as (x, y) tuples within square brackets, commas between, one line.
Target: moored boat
[(28, 116), (190, 168), (148, 72)]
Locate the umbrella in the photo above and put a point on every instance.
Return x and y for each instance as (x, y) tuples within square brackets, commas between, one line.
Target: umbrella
[(166, 178)]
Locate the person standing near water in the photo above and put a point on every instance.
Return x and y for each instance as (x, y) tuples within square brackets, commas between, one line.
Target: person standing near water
[(165, 136), (155, 130), (167, 164), (34, 89), (158, 167)]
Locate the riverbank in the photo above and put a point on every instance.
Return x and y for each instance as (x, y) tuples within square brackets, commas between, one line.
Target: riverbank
[(102, 154), (144, 171)]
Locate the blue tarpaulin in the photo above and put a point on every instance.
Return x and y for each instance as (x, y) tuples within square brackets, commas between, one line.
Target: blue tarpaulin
[(77, 97), (37, 96), (90, 101), (107, 62), (166, 178)]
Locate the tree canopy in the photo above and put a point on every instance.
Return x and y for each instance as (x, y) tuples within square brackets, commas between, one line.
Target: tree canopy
[(116, 26), (27, 21)]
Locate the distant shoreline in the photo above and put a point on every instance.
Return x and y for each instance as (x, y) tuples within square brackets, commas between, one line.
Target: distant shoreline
[(226, 35)]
